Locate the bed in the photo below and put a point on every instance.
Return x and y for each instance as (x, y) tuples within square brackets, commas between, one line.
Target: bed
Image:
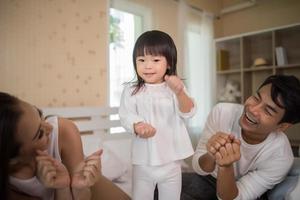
[(98, 127)]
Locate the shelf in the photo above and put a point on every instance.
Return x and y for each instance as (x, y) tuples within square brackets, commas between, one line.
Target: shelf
[(228, 54), (289, 66), (258, 46), (243, 51), (261, 68), (289, 40), (230, 71)]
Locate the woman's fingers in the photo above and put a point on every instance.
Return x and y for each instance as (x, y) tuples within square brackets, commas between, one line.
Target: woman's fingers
[(46, 172)]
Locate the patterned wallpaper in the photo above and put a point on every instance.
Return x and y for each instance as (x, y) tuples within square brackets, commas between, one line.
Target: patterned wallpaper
[(54, 52)]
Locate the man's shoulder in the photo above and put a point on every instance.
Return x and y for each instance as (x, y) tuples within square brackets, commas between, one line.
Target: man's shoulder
[(226, 113), (228, 107), (280, 138)]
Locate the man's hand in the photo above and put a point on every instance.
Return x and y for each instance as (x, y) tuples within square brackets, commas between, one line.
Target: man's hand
[(217, 141), (52, 173), (174, 83), (144, 130), (228, 154), (87, 173)]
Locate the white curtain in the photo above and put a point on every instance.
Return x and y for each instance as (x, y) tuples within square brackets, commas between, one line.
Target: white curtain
[(196, 28)]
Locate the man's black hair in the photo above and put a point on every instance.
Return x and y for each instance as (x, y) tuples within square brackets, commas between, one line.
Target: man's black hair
[(285, 92)]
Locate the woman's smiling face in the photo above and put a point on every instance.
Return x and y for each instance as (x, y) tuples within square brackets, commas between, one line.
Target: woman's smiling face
[(33, 131)]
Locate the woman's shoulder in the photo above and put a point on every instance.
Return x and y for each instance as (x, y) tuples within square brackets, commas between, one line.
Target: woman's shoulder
[(66, 126), (70, 135), (67, 130)]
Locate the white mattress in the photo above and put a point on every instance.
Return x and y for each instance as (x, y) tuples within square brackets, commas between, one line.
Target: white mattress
[(122, 149)]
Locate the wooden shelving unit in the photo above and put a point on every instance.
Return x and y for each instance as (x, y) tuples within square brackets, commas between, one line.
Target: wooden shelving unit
[(242, 50)]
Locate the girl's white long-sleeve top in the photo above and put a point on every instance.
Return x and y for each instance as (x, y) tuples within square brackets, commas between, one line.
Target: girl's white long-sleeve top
[(156, 104)]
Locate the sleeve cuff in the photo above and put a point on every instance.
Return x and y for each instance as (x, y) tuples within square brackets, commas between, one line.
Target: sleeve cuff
[(191, 113), (196, 166), (133, 121)]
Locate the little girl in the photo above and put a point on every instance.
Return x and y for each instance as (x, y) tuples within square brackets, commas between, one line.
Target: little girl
[(154, 109)]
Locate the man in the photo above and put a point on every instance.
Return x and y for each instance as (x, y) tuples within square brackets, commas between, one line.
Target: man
[(243, 151)]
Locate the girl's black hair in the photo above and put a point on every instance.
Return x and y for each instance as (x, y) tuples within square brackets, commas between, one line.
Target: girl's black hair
[(10, 113), (285, 92), (155, 43)]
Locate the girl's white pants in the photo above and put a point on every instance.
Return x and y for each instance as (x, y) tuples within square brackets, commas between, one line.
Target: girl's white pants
[(167, 177)]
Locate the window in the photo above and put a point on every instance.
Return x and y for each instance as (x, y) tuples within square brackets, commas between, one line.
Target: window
[(125, 26)]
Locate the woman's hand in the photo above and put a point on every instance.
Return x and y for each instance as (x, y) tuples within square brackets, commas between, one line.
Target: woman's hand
[(87, 173), (52, 173)]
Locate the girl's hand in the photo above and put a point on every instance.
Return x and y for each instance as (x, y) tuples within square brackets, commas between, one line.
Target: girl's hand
[(144, 130), (174, 83), (87, 173), (52, 173)]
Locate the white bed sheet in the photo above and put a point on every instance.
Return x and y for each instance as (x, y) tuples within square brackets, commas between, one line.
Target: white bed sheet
[(125, 182), (122, 148)]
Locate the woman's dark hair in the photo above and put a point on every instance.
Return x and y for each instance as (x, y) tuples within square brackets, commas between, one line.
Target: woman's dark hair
[(155, 43), (10, 113), (285, 92)]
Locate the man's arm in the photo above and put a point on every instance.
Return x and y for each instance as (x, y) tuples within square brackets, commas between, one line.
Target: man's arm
[(225, 157), (207, 163), (203, 158), (226, 185)]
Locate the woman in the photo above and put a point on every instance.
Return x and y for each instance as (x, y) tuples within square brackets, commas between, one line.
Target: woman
[(43, 158)]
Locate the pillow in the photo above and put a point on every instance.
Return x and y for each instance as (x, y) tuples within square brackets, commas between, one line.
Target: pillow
[(112, 166), (121, 148), (287, 186), (283, 189)]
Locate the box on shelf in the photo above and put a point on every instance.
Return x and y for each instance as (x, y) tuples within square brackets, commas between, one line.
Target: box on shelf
[(281, 57), (222, 59)]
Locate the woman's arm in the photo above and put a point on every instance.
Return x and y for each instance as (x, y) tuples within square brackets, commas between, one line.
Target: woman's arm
[(13, 194), (72, 156), (53, 174), (71, 152)]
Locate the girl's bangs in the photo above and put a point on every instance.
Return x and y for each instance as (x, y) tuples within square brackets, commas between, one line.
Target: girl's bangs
[(150, 50)]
